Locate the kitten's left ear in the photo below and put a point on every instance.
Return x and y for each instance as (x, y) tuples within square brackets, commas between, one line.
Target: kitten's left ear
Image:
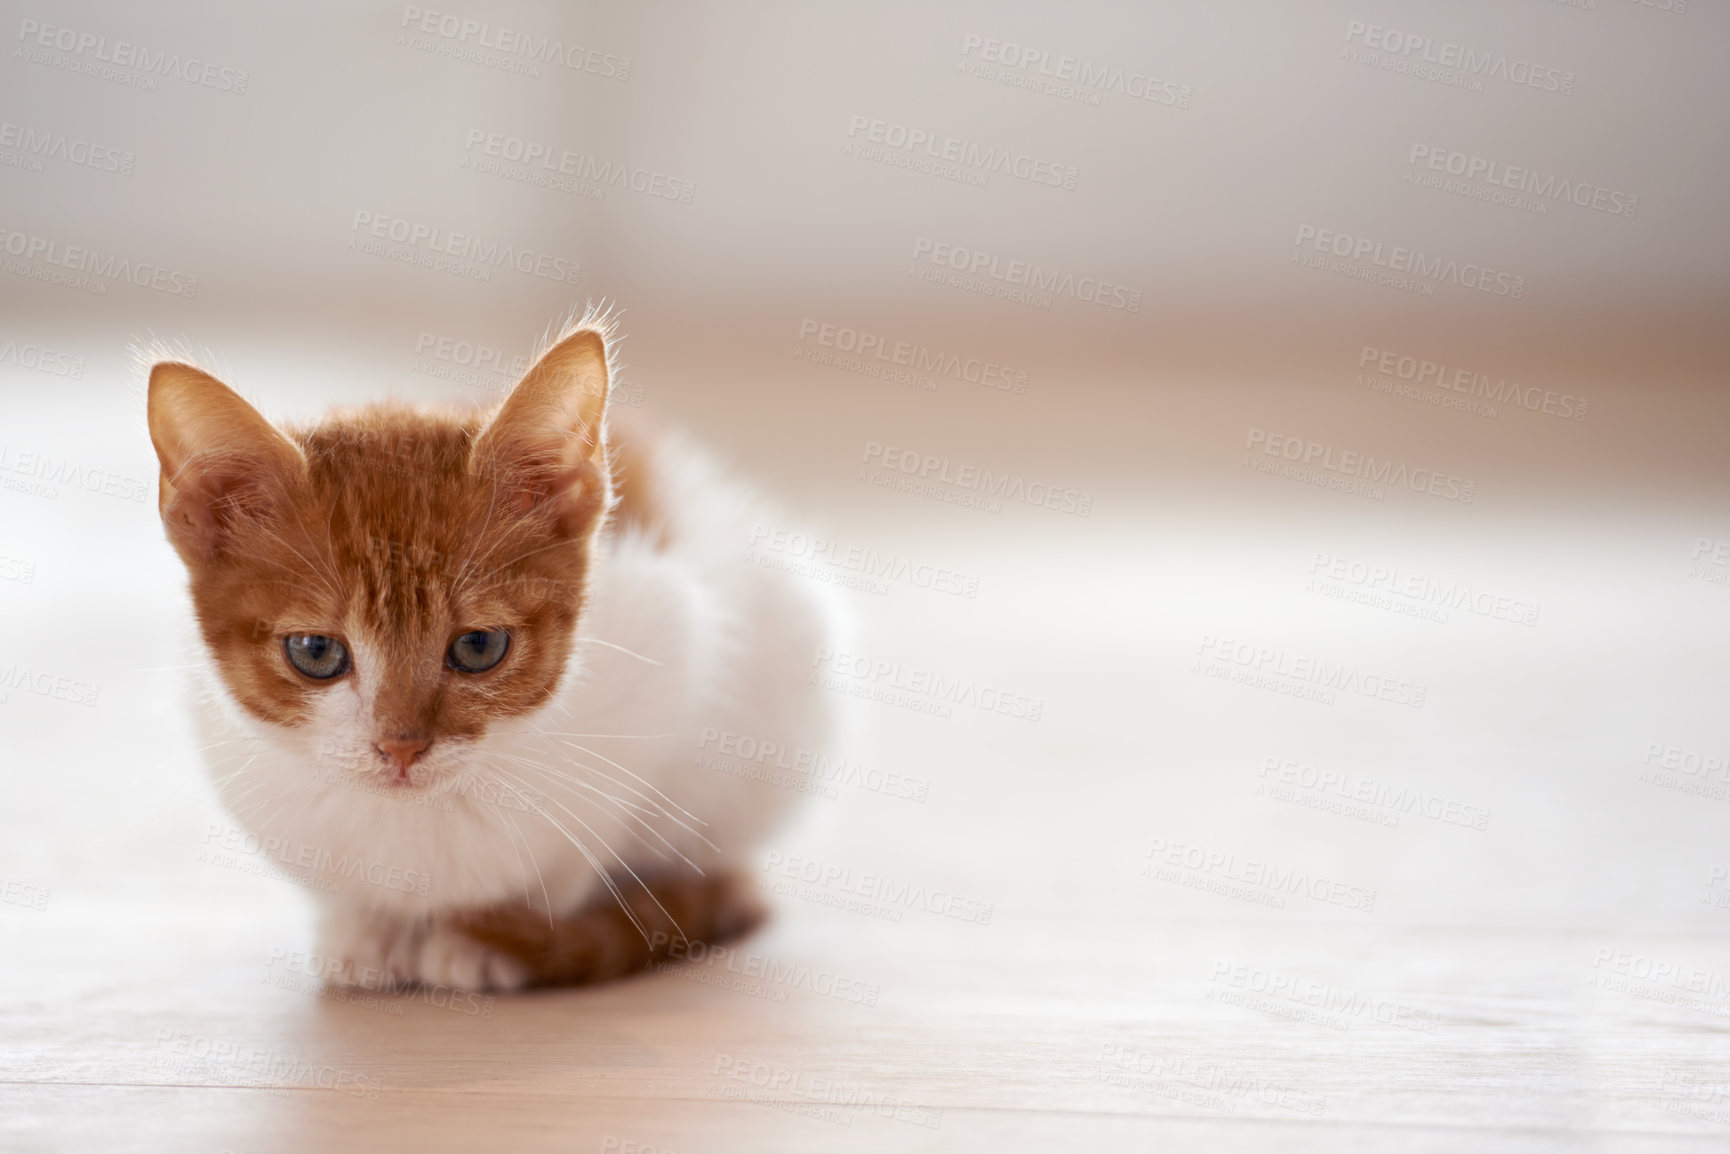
[(547, 444)]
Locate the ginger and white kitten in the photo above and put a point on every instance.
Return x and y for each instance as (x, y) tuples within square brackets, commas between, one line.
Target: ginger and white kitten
[(461, 664)]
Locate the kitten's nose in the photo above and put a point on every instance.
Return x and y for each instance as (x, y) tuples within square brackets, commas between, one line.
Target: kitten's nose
[(403, 751)]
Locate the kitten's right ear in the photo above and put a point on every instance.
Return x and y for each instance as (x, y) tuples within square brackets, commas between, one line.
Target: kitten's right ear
[(221, 460)]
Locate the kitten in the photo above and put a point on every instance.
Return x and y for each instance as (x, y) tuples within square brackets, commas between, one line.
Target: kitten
[(461, 665)]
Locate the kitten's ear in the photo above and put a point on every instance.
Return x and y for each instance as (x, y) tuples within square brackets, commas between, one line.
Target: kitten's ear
[(220, 459), (547, 444)]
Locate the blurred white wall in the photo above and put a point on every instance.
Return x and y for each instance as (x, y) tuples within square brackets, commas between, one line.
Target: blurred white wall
[(1176, 150)]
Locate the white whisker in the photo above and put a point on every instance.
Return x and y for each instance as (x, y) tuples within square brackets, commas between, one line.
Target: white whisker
[(511, 828), (627, 652), (634, 777), (618, 736), (588, 856), (659, 809), (606, 878), (632, 809)]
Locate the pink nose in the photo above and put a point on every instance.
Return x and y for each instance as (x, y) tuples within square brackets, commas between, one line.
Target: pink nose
[(402, 751)]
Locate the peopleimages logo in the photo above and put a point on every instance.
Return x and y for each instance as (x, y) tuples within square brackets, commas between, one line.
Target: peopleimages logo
[(41, 358), (482, 359), (87, 46), (1009, 487), (795, 1090), (1360, 580), (1351, 463), (33, 145), (1044, 72), (1420, 371), (40, 466), (893, 893), (433, 247), (1173, 860), (1307, 676), (967, 154), (542, 159), (744, 755), (1204, 1083), (1397, 261), (1396, 799), (463, 35), (82, 264), (913, 356), (18, 569), (43, 683), (1469, 166), (890, 681), (1414, 50), (972, 264), (801, 551), (315, 862)]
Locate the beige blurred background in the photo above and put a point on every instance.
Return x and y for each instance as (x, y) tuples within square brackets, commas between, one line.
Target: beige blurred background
[(1183, 270)]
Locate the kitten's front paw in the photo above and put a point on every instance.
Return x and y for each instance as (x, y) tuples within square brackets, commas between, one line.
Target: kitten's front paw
[(449, 957), (369, 952), (372, 952)]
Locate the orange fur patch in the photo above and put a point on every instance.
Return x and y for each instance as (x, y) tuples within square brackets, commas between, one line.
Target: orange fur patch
[(600, 943), (637, 502)]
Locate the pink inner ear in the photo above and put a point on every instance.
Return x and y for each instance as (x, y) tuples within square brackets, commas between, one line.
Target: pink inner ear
[(191, 525), (546, 472), (208, 498)]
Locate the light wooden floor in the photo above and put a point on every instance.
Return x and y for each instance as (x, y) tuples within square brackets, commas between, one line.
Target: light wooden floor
[(1559, 979)]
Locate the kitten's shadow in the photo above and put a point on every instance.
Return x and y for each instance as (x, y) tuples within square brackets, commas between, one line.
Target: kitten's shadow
[(549, 1040)]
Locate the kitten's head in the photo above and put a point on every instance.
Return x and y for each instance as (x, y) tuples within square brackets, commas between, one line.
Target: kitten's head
[(386, 584)]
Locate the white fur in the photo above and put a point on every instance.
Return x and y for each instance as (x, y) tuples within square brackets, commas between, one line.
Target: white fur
[(674, 642)]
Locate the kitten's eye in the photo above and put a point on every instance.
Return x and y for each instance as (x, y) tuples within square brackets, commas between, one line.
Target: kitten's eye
[(316, 655), (479, 650)]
